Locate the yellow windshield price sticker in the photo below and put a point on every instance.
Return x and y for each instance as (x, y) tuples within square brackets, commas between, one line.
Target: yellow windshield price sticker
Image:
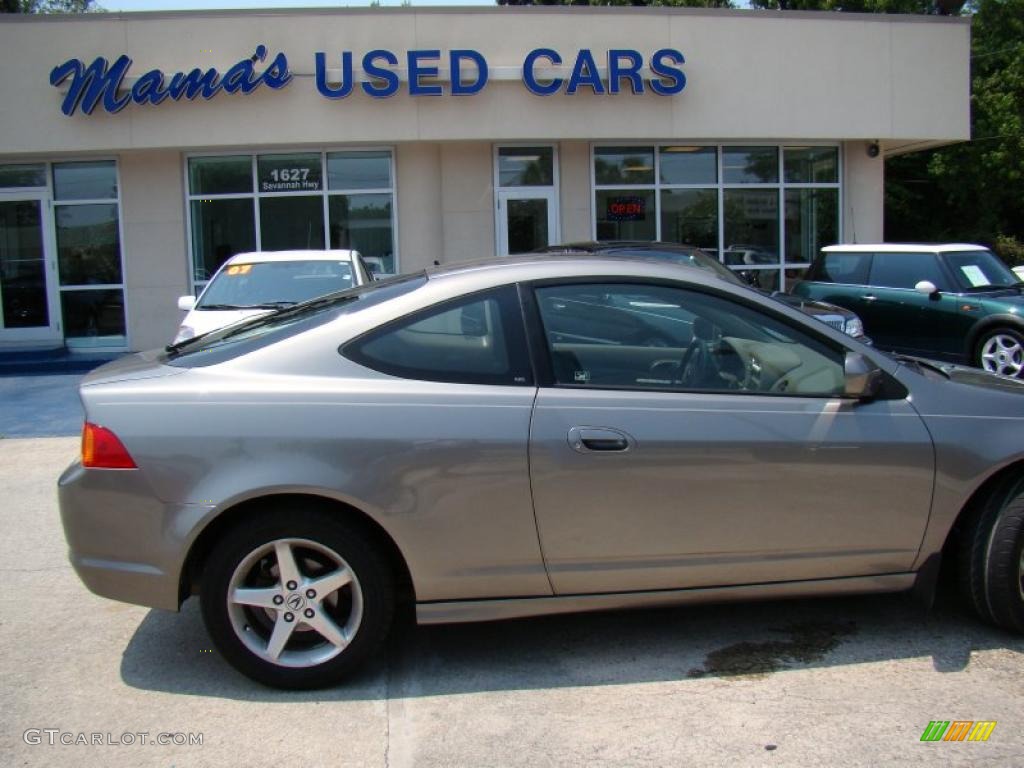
[(239, 269)]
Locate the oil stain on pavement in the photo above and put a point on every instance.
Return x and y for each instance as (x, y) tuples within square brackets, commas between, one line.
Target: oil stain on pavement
[(809, 642)]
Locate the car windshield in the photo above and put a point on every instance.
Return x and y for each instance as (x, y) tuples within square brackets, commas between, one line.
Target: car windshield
[(980, 270), (248, 335), (271, 284)]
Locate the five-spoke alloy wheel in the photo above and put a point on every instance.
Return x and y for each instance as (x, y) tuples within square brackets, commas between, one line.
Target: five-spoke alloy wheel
[(297, 599), (1002, 351)]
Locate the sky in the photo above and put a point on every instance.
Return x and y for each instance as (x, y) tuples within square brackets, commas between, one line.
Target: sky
[(191, 5)]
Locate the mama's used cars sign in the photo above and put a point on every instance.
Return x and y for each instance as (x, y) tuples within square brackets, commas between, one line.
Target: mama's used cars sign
[(380, 74)]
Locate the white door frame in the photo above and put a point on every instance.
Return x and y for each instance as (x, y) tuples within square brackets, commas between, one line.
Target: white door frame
[(503, 194), (43, 335), (526, 193)]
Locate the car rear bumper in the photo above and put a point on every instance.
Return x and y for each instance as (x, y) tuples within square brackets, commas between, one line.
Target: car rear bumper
[(109, 515)]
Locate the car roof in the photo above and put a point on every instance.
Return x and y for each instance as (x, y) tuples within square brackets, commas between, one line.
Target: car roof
[(601, 246), (533, 266), (259, 257), (905, 247)]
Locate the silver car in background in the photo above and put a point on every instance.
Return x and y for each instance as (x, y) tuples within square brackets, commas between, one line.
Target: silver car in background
[(529, 436)]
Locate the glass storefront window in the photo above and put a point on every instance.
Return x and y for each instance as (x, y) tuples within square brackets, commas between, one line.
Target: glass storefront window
[(220, 175), (690, 216), (85, 181), (290, 173), (22, 265), (762, 210), (88, 234), (291, 222), (22, 176), (359, 170), (285, 210), (750, 165), (688, 165), (220, 229), (93, 314), (88, 244), (624, 165), (364, 223), (751, 227), (812, 221), (627, 214), (808, 165), (526, 167)]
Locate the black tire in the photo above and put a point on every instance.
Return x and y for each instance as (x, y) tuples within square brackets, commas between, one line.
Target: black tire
[(991, 546), (1009, 335), (327, 529)]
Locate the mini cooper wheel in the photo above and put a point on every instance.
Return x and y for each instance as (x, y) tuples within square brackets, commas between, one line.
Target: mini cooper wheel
[(1002, 351), (296, 599), (992, 557)]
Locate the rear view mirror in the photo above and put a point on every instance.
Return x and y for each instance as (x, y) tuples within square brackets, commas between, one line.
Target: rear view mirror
[(186, 303), (927, 287), (862, 379)]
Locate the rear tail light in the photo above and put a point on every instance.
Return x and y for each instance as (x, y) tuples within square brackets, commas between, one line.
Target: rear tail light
[(102, 450)]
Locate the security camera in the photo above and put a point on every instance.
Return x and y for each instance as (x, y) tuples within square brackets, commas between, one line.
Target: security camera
[(873, 149)]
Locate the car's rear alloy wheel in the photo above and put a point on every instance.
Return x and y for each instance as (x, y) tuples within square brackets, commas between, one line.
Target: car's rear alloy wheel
[(296, 599), (1002, 351), (992, 557)]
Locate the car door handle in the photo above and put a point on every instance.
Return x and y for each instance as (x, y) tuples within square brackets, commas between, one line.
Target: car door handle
[(598, 440), (869, 297)]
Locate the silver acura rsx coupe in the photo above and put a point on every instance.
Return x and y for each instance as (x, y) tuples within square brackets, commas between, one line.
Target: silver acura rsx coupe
[(536, 435)]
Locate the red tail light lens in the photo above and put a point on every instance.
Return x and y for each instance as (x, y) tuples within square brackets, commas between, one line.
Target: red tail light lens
[(102, 450)]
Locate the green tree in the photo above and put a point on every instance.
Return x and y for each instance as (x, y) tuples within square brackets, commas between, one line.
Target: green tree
[(49, 6), (944, 7), (973, 191)]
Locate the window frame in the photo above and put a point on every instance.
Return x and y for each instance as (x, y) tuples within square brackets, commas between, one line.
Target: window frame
[(720, 186), (513, 323), (541, 350), (255, 195)]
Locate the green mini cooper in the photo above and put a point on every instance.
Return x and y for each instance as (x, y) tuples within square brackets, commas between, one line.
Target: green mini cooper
[(956, 302)]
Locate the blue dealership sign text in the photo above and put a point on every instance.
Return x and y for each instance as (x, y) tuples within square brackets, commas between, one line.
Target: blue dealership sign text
[(381, 75)]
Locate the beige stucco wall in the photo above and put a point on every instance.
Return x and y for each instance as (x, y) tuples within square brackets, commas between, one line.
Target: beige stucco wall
[(751, 75), (155, 253), (863, 194)]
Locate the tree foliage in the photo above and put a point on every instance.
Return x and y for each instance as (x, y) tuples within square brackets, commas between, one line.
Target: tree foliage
[(944, 7), (48, 6), (973, 191)]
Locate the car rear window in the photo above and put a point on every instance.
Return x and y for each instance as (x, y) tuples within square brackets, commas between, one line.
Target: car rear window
[(841, 267), (477, 339), (248, 336)]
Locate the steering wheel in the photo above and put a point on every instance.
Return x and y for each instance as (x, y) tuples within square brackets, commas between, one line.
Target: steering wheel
[(697, 366)]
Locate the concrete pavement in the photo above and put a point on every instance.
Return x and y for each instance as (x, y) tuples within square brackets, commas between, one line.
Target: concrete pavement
[(829, 682)]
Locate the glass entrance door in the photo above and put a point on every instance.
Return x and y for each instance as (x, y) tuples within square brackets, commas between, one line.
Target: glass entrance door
[(526, 221), (27, 301)]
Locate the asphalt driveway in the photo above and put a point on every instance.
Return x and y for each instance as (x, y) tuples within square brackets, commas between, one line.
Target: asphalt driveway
[(850, 681), (40, 405)]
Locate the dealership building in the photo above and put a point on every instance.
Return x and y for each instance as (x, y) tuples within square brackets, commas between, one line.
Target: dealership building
[(139, 151)]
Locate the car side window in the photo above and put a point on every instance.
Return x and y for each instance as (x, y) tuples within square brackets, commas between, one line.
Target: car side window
[(478, 339), (842, 268), (647, 336), (905, 270)]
